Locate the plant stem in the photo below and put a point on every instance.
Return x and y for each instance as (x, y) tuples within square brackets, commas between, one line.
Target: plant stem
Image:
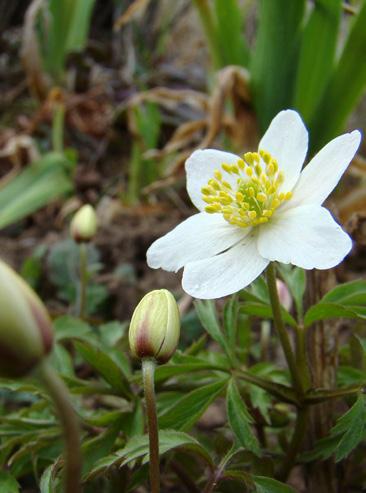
[(148, 370), (296, 442), (301, 358), (71, 431), (83, 277), (58, 127), (281, 330)]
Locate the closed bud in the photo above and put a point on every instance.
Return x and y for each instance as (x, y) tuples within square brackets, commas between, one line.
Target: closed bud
[(284, 294), (155, 326), (25, 328), (84, 224)]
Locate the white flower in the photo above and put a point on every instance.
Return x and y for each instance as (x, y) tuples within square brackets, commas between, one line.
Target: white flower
[(257, 209)]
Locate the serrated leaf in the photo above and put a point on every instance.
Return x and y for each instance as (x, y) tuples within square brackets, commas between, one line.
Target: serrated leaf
[(8, 484), (240, 419), (269, 485), (184, 413), (206, 311), (138, 448), (68, 327), (98, 359), (265, 311)]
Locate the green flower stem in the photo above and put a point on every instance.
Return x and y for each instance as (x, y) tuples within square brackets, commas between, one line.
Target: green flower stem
[(148, 370), (83, 278), (69, 422), (58, 122), (281, 330), (301, 358), (296, 442), (318, 396)]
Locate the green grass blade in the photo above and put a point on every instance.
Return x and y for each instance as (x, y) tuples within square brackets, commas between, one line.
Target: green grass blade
[(38, 185), (273, 61), (346, 86), (79, 26), (229, 33), (317, 55)]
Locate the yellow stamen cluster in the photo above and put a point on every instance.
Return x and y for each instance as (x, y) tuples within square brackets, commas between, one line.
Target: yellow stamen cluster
[(256, 195)]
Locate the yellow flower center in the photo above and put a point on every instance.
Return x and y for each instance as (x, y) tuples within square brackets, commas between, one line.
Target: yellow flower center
[(256, 194)]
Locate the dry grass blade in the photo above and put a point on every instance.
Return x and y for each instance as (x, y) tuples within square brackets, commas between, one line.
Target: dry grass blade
[(30, 54), (134, 11)]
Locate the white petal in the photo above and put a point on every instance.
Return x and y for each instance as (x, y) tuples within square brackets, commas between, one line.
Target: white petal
[(306, 236), (324, 171), (198, 237), (226, 273), (200, 168), (287, 140)]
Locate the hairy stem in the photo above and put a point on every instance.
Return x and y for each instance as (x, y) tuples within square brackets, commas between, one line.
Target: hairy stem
[(148, 370), (281, 330), (83, 278), (70, 425)]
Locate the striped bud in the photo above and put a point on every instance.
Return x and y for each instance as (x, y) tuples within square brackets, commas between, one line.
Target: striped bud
[(25, 327), (155, 326)]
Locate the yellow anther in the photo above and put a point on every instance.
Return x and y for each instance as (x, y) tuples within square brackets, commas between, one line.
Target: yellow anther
[(211, 209), (206, 190), (214, 184), (218, 175), (253, 197), (270, 169), (227, 185), (226, 167), (258, 169)]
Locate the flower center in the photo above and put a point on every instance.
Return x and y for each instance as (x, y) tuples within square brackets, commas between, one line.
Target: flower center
[(256, 195)]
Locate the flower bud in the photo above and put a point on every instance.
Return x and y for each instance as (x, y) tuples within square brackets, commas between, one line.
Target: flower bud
[(25, 328), (284, 294), (84, 224), (155, 326)]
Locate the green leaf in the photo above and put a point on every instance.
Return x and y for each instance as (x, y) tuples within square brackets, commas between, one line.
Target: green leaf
[(347, 433), (345, 87), (8, 484), (46, 483), (316, 65), (240, 419), (167, 371), (206, 311), (184, 413), (138, 448), (273, 60), (40, 183), (265, 311), (229, 33), (269, 485), (68, 327), (347, 300), (105, 366), (231, 310)]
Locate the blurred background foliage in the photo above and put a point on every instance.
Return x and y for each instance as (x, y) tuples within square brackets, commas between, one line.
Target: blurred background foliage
[(101, 102)]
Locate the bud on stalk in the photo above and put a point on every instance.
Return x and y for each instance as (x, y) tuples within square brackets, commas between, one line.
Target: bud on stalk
[(155, 326), (83, 226), (25, 328)]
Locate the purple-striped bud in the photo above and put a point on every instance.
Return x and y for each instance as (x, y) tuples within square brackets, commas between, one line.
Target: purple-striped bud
[(83, 226), (155, 326), (25, 327)]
